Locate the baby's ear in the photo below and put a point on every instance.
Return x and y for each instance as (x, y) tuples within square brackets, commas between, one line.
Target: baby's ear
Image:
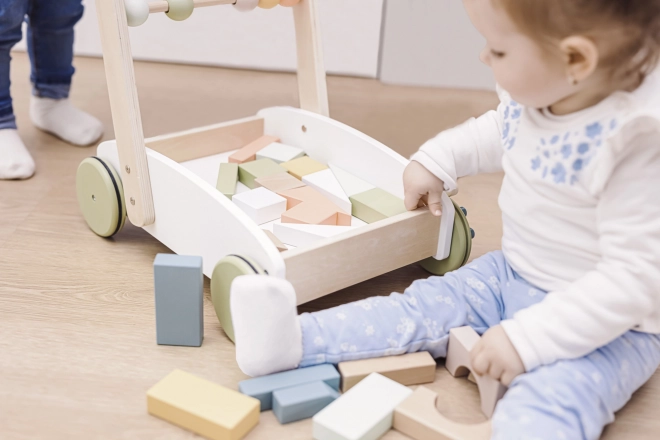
[(581, 56)]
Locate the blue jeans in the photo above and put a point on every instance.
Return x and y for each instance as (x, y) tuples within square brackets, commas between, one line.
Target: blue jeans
[(50, 46), (570, 399)]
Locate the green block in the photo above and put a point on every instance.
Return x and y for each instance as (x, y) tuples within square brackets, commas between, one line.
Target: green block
[(248, 172), (376, 204), (227, 178)]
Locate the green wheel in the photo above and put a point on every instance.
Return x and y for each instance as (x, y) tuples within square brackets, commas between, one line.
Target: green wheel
[(223, 275), (100, 196), (461, 246)]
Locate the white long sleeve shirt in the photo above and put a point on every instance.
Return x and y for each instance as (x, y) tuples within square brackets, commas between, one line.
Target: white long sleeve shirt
[(580, 203)]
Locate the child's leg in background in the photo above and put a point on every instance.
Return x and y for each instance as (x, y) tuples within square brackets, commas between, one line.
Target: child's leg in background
[(575, 399)]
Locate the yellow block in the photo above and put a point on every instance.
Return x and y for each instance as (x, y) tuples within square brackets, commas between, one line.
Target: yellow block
[(203, 407), (303, 166)]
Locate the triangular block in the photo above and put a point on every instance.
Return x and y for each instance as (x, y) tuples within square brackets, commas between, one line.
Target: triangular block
[(327, 184), (350, 184)]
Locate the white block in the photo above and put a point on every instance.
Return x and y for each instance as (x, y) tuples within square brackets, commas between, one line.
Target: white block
[(279, 152), (295, 234), (363, 413), (350, 184), (327, 184), (261, 204)]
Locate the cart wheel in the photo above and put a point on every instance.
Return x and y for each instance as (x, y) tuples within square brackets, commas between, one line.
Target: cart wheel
[(100, 196), (461, 246), (223, 275)]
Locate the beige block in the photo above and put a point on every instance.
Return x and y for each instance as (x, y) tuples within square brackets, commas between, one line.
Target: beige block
[(407, 369), (276, 241), (303, 166), (279, 182), (249, 152)]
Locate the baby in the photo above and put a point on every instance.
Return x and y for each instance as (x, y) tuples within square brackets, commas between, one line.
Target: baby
[(50, 46), (569, 308)]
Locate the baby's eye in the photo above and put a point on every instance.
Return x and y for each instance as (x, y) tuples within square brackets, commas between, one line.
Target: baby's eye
[(497, 54)]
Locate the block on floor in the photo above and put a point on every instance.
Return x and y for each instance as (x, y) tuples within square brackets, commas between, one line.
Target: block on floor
[(306, 235), (376, 204), (203, 407), (249, 152), (302, 401), (327, 184), (364, 412), (406, 369), (227, 179), (349, 183), (279, 182), (280, 153), (179, 284), (261, 205), (248, 172), (276, 241), (262, 388), (303, 166)]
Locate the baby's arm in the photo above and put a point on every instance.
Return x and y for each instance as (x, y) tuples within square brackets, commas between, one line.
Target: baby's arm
[(624, 289)]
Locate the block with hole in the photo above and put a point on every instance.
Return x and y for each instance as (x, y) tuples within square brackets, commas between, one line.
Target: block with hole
[(376, 204), (303, 166), (406, 369), (302, 401), (203, 407), (227, 179), (299, 235), (276, 241), (327, 184), (279, 182), (262, 388), (280, 153), (178, 285), (261, 205), (349, 183), (249, 172), (249, 152)]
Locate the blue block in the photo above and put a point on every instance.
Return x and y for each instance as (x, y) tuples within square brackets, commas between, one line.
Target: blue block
[(179, 286), (302, 401), (262, 388)]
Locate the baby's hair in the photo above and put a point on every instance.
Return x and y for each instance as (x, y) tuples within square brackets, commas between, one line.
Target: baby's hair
[(627, 31)]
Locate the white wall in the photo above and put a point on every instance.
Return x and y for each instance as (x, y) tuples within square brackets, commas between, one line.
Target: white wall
[(261, 39)]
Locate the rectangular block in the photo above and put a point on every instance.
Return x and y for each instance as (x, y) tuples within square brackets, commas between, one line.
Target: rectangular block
[(262, 388), (303, 166), (280, 152), (203, 407), (249, 152), (407, 369), (363, 413), (261, 205), (327, 184), (302, 401), (306, 235), (227, 179), (313, 214), (279, 182), (178, 285), (276, 241), (349, 183), (248, 172), (376, 204)]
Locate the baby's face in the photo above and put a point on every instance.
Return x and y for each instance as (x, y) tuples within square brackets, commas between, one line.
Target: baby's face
[(532, 73)]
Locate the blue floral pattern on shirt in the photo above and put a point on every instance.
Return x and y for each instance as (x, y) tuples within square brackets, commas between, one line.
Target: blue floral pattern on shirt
[(511, 120)]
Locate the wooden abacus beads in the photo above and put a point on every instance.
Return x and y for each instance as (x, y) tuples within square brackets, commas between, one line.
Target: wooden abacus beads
[(179, 10), (268, 4), (246, 5), (137, 12)]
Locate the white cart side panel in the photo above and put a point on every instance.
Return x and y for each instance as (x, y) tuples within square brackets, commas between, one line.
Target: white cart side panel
[(327, 140), (193, 218)]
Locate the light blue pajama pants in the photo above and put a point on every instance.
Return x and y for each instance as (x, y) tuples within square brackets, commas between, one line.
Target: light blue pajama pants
[(570, 399)]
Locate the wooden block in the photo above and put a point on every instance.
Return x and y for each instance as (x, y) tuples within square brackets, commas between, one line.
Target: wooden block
[(262, 388), (327, 184), (306, 235), (261, 205), (179, 284), (279, 182), (302, 401), (203, 407), (250, 171), (280, 153), (249, 152), (418, 418), (461, 342), (227, 179), (305, 205), (349, 183), (303, 166), (376, 204), (364, 412), (276, 241), (407, 369)]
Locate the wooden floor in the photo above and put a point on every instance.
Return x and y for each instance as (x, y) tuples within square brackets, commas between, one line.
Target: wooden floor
[(77, 333)]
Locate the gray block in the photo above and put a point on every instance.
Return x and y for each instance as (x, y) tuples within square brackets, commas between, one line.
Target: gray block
[(262, 388), (302, 401), (179, 284)]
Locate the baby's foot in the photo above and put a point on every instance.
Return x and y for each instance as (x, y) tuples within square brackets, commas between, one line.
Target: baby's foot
[(266, 326), (59, 117), (15, 160)]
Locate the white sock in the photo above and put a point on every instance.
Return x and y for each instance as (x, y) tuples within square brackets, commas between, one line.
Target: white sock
[(15, 160), (266, 327), (59, 117)]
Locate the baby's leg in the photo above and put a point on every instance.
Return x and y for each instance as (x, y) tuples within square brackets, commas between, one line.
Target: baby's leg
[(575, 399)]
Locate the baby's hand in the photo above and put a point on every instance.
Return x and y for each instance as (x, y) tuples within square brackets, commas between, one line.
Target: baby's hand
[(496, 356), (422, 188)]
